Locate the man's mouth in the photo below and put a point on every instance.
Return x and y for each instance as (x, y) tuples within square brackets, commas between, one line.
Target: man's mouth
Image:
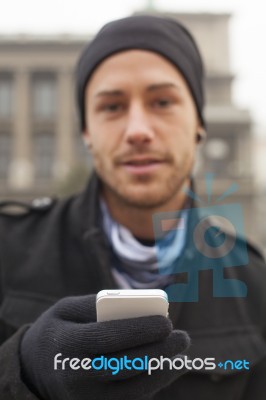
[(139, 166), (142, 162)]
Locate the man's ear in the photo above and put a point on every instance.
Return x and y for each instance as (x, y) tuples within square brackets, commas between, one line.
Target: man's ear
[(200, 134), (86, 139)]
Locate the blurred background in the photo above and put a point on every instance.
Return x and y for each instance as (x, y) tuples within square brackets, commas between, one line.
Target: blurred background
[(41, 151)]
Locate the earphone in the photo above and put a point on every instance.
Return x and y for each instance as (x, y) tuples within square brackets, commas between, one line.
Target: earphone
[(201, 135)]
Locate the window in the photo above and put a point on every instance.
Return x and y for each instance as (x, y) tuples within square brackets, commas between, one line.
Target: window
[(44, 155), (218, 154), (5, 155), (6, 96), (44, 96), (217, 149)]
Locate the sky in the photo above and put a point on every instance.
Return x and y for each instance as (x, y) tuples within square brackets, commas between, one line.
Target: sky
[(247, 33)]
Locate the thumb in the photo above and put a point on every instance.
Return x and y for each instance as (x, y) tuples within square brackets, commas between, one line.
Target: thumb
[(77, 308)]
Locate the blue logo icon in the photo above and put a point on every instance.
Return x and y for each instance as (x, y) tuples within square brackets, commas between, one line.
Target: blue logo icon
[(214, 240)]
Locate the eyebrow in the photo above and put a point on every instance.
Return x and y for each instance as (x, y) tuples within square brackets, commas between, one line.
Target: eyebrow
[(163, 86), (109, 93), (150, 88)]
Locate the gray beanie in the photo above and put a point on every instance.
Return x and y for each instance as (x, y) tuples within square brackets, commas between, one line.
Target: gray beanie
[(161, 35)]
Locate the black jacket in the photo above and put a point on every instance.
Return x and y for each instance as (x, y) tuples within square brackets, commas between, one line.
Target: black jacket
[(58, 249)]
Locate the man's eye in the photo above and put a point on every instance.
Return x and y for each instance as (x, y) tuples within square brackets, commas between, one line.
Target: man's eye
[(163, 103), (112, 107)]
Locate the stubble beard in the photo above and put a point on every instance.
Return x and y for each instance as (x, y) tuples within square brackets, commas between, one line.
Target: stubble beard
[(127, 193), (150, 198)]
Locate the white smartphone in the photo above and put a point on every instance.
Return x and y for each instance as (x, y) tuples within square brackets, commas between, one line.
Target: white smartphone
[(130, 303)]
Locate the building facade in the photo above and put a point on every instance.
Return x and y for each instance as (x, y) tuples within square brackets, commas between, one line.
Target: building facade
[(39, 137)]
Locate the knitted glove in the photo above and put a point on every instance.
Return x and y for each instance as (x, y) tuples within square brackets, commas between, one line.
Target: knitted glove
[(70, 328)]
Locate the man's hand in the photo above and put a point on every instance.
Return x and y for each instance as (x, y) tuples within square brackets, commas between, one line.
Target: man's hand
[(70, 328)]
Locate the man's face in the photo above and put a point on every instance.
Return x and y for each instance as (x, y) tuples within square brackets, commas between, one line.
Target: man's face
[(141, 123)]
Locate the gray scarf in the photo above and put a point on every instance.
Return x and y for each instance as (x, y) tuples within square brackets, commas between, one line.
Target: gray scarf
[(136, 265)]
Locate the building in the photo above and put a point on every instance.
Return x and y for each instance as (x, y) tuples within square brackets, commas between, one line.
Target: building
[(39, 135)]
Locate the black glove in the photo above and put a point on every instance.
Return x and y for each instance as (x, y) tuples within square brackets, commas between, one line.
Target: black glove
[(69, 327)]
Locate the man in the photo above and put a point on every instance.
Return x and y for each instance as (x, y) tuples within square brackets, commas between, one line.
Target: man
[(140, 99)]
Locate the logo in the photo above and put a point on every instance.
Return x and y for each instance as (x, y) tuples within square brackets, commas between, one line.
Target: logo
[(145, 363), (214, 239)]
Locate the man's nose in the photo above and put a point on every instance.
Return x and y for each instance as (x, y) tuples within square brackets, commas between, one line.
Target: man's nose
[(138, 128)]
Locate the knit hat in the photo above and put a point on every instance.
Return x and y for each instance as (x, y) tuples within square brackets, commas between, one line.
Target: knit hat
[(161, 35)]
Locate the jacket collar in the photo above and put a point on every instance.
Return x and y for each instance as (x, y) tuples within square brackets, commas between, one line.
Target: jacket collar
[(85, 212)]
